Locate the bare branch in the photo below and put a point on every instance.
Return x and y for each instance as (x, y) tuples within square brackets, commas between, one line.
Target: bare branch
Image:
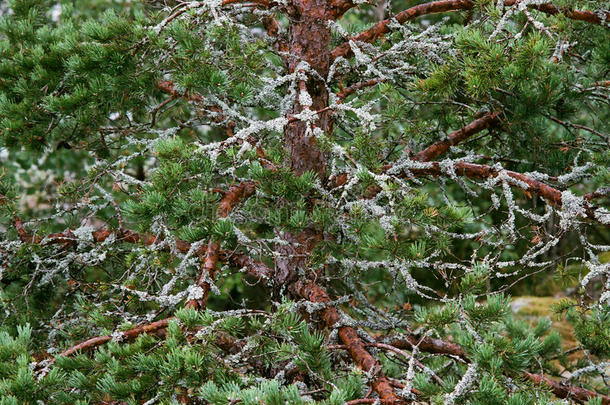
[(344, 93), (472, 170), (128, 334), (435, 150), (382, 27)]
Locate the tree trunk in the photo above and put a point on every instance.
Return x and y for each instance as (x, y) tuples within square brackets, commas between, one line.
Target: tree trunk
[(310, 43)]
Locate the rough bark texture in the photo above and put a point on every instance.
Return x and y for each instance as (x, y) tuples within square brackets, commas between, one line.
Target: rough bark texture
[(477, 171), (309, 42), (128, 334), (550, 8), (429, 345), (294, 255), (563, 390), (382, 27), (258, 270)]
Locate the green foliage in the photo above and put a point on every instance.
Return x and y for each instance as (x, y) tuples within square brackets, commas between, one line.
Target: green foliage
[(126, 128)]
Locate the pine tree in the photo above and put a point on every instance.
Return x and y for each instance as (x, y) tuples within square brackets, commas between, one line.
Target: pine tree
[(303, 201)]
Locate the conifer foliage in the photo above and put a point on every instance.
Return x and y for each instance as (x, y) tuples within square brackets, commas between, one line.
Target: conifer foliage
[(303, 201)]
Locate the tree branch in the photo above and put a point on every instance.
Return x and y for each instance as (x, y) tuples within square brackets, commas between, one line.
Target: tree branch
[(208, 270), (436, 149), (128, 334), (560, 389), (442, 6), (382, 27), (350, 339), (552, 195), (549, 8), (429, 345), (340, 7), (564, 390), (344, 93), (167, 86), (599, 193), (253, 268), (89, 344), (234, 195), (478, 171), (258, 270)]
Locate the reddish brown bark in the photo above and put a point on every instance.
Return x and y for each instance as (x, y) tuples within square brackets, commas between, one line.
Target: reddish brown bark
[(599, 193), (261, 3), (168, 87), (361, 401), (208, 269), (349, 337), (339, 7), (255, 269), (233, 196), (68, 239), (294, 255), (477, 171), (563, 390), (357, 86), (442, 6), (218, 117), (550, 8), (309, 40), (357, 350), (228, 201), (382, 27), (436, 149), (473, 170), (128, 334), (429, 345), (258, 270)]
